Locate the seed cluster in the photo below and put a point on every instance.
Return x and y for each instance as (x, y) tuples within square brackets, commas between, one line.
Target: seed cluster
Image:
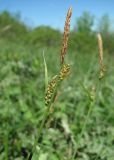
[(66, 35), (64, 72), (92, 93), (50, 90)]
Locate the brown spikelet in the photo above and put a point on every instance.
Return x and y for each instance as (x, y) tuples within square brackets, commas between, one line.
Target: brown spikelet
[(66, 35), (100, 43), (102, 67)]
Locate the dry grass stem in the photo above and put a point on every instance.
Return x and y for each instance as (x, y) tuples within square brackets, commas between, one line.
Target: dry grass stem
[(102, 67), (100, 43), (66, 35)]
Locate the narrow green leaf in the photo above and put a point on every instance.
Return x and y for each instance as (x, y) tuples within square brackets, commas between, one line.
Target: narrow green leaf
[(45, 70)]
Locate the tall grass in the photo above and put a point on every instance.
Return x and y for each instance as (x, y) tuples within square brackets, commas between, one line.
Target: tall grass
[(51, 90), (39, 121), (55, 83)]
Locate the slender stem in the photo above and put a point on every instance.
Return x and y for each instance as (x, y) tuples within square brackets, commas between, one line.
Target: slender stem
[(46, 113), (84, 127), (6, 145), (87, 119), (39, 133)]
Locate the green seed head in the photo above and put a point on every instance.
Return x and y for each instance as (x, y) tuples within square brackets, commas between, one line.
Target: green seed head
[(64, 72)]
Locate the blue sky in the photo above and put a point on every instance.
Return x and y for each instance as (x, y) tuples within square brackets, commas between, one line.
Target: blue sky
[(53, 12)]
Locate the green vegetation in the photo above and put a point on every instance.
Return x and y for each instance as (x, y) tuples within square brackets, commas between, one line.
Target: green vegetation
[(22, 92)]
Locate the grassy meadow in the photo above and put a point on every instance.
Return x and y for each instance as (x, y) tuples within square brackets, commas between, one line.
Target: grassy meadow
[(81, 124)]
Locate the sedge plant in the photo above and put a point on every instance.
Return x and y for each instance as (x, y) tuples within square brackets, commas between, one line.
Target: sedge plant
[(92, 94), (53, 86)]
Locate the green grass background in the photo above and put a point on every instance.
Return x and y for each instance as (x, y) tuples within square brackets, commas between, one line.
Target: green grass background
[(22, 92), (22, 104)]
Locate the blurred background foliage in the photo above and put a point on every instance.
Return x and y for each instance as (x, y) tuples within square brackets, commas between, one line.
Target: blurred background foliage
[(22, 89), (83, 35)]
